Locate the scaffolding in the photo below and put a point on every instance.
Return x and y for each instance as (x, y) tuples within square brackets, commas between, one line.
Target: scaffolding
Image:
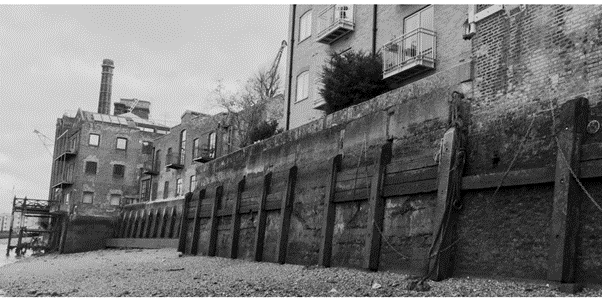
[(24, 208)]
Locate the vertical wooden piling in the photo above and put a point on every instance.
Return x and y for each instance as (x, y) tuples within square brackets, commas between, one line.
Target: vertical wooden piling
[(261, 217), (146, 214), (377, 210), (440, 259), (134, 225), (184, 223), (172, 222), (141, 225), (163, 223), (155, 233), (329, 213), (285, 214), (213, 222), (236, 220), (196, 224), (567, 194)]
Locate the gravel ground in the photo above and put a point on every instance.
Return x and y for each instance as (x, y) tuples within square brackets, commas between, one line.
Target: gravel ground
[(148, 273)]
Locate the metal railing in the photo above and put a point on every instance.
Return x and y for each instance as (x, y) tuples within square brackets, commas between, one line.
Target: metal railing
[(173, 159), (151, 166), (333, 16), (419, 44)]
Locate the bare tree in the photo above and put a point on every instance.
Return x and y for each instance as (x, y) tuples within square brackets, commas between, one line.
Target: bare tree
[(247, 108)]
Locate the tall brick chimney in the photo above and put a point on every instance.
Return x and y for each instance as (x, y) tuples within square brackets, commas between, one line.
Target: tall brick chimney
[(104, 101)]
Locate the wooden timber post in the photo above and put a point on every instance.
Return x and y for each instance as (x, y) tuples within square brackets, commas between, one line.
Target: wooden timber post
[(213, 222), (147, 219), (451, 166), (235, 231), (329, 213), (285, 214), (261, 217), (196, 227), (377, 209), (140, 225), (567, 194), (134, 225), (184, 223)]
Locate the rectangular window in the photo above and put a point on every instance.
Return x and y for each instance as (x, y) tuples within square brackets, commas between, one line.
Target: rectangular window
[(88, 197), (66, 199), (115, 199), (94, 140), (302, 86), (166, 189), (144, 189), (192, 183), (415, 43), (195, 148), (305, 26), (118, 171), (178, 186), (212, 144), (154, 190), (91, 167), (147, 148), (182, 147), (122, 143)]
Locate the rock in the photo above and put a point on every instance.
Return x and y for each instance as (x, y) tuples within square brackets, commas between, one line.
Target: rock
[(333, 291), (32, 292), (376, 285)]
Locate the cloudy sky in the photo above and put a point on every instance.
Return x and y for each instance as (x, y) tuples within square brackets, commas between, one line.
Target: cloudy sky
[(50, 59)]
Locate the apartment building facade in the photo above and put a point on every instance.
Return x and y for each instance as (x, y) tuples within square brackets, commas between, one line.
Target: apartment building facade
[(415, 41)]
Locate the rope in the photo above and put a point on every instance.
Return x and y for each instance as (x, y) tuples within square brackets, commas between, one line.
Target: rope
[(563, 156)]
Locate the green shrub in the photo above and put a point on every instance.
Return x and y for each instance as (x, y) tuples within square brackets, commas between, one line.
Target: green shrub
[(351, 78)]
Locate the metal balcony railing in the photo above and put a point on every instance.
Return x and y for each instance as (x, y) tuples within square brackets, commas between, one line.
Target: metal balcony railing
[(410, 54), (334, 22), (63, 180), (151, 167), (66, 153), (173, 161), (204, 154)]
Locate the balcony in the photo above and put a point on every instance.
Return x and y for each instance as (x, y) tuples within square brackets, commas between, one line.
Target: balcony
[(204, 155), (173, 161), (410, 54), (66, 154), (64, 181), (151, 168), (334, 22)]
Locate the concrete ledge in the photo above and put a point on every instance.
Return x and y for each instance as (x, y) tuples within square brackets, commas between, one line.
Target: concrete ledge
[(142, 243)]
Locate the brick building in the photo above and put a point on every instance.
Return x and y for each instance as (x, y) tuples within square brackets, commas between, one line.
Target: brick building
[(416, 42), (197, 139)]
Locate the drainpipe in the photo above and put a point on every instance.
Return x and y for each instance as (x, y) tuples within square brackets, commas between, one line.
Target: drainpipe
[(290, 70), (374, 30)]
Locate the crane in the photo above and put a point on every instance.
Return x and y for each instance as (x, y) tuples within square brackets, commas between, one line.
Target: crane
[(45, 140), (268, 80), (135, 104)]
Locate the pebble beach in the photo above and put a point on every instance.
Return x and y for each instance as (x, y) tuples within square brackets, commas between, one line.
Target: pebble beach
[(155, 273)]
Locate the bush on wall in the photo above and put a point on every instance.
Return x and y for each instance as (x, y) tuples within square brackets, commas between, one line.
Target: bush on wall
[(351, 78)]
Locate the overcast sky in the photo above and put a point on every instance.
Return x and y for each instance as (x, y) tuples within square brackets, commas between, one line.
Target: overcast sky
[(172, 56)]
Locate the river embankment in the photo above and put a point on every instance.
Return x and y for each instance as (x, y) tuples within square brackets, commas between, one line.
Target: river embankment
[(148, 273)]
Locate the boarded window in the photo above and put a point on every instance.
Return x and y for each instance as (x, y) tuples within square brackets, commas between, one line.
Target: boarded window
[(88, 197), (91, 168)]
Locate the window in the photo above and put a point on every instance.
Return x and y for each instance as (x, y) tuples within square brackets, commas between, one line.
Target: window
[(166, 189), (94, 140), (212, 143), (302, 86), (66, 199), (179, 186), (88, 197), (421, 19), (154, 190), (144, 189), (192, 183), (91, 167), (195, 148), (182, 147), (157, 159), (115, 199), (147, 148), (73, 143), (122, 143), (305, 26), (168, 158), (118, 171)]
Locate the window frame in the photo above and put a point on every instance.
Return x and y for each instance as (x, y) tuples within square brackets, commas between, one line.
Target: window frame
[(145, 190), (166, 189), (304, 73), (190, 186), (212, 145), (90, 139), (116, 175), (111, 199), (91, 194), (305, 24), (195, 148), (182, 147), (117, 143), (179, 185), (86, 168)]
